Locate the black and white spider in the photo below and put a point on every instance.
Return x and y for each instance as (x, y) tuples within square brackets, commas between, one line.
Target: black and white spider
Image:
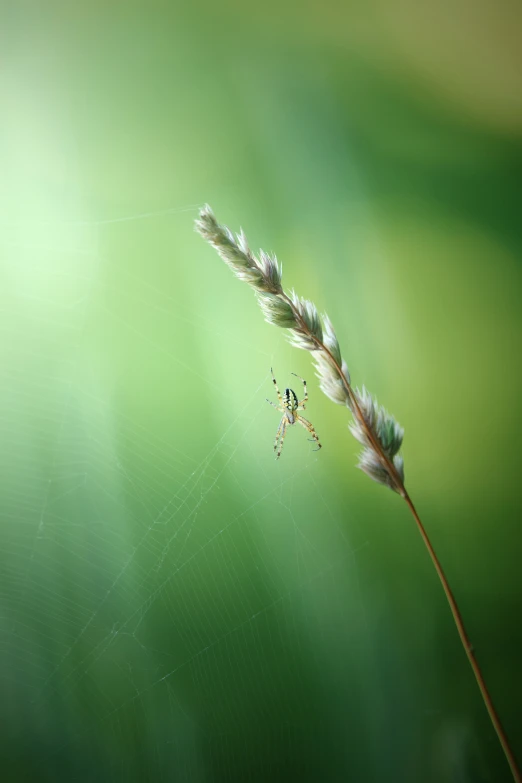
[(289, 406)]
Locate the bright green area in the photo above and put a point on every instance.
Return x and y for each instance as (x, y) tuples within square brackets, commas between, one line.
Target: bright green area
[(175, 605)]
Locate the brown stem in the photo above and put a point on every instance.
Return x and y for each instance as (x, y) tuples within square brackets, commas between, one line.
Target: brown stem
[(390, 467), (468, 647)]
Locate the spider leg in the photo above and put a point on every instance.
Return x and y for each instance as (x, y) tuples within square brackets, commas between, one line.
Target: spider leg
[(302, 403), (275, 406), (308, 426), (281, 432), (278, 433), (277, 390)]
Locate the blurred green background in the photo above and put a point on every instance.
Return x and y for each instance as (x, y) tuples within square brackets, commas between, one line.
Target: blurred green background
[(176, 605)]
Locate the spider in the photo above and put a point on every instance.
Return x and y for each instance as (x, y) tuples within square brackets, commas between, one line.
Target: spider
[(289, 405)]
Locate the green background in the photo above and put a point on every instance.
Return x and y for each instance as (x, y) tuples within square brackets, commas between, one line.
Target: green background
[(176, 605)]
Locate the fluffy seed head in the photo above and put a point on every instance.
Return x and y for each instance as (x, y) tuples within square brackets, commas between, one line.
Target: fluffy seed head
[(330, 381), (263, 275), (308, 333), (386, 431), (277, 311)]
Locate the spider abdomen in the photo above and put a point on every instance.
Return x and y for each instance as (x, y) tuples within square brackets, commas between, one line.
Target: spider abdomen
[(290, 400)]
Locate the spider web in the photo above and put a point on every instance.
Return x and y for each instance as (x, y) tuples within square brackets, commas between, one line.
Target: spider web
[(170, 609)]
